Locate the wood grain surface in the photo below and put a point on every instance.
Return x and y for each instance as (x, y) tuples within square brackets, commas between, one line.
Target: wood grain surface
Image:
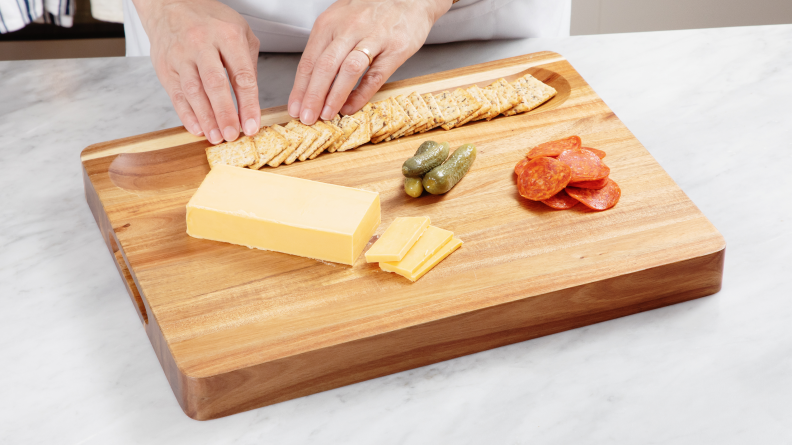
[(236, 329)]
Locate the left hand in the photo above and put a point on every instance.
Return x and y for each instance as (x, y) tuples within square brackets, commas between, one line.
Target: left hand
[(392, 31)]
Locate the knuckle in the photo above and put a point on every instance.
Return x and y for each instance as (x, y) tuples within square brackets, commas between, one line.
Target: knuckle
[(225, 114), (245, 79), (192, 88), (178, 98), (374, 78), (312, 97), (215, 80), (305, 67), (326, 63), (353, 66)]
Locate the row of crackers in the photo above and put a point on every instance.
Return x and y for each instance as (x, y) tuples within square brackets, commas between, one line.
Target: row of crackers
[(385, 120)]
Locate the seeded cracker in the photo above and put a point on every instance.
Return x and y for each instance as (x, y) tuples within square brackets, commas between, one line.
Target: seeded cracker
[(434, 107), (380, 115), (325, 134), (308, 135), (449, 108), (507, 95), (335, 120), (397, 121), (363, 132), (477, 94), (238, 153), (467, 104), (269, 143), (335, 134), (532, 93), (423, 110), (414, 119), (348, 125), (294, 142), (492, 96)]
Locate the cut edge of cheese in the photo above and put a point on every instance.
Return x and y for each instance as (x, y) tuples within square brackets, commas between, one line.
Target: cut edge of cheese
[(428, 244), (397, 239), (441, 254)]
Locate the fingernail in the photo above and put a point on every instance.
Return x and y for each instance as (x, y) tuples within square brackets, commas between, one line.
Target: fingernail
[(327, 113), (215, 137), (251, 127), (307, 117), (230, 133), (294, 109), (194, 129)]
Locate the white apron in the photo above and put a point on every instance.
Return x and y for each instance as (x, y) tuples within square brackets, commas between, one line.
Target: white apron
[(284, 26)]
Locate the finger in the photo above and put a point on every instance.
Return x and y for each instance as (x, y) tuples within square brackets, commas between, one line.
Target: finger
[(351, 69), (317, 43), (215, 83), (242, 73), (324, 72), (193, 89), (181, 104), (379, 72)]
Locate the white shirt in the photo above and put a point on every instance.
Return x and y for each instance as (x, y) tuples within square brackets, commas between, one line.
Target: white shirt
[(284, 26)]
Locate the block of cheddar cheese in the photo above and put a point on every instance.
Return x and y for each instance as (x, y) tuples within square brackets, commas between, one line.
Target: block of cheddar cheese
[(284, 214)]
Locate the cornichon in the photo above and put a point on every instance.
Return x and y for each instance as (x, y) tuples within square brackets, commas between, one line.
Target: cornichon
[(413, 187), (429, 155), (444, 177)]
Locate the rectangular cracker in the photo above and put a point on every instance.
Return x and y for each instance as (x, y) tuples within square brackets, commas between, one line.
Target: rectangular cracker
[(335, 134), (326, 134), (363, 132), (397, 122), (238, 153), (477, 94), (423, 110), (294, 142), (414, 119), (347, 125), (448, 106), (532, 93), (495, 110), (308, 134), (437, 114), (467, 104), (380, 117), (507, 95), (269, 143), (335, 120)]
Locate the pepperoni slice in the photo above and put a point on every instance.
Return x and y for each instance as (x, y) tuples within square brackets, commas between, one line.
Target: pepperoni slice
[(596, 185), (601, 199), (518, 169), (585, 165), (561, 201), (542, 178), (600, 154), (554, 148)]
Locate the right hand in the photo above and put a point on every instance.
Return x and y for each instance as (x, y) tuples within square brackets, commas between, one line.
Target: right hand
[(193, 42)]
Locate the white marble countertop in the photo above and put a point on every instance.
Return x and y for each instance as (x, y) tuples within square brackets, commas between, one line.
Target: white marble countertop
[(713, 106)]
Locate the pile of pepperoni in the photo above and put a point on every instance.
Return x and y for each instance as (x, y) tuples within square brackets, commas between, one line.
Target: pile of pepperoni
[(563, 173)]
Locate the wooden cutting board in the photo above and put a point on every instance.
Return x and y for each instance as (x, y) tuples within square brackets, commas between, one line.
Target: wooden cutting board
[(236, 329)]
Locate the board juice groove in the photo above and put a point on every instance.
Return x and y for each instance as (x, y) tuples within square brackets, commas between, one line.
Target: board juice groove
[(235, 329)]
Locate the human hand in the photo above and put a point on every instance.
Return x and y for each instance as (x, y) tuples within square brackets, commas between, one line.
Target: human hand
[(193, 43), (392, 30)]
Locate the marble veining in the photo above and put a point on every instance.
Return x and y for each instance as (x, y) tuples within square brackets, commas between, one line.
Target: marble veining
[(711, 105)]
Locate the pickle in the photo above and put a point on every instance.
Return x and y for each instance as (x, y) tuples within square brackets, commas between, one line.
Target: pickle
[(429, 155), (444, 177), (413, 187)]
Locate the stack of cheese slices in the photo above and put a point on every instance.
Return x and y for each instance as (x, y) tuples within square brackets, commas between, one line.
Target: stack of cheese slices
[(411, 247), (385, 120)]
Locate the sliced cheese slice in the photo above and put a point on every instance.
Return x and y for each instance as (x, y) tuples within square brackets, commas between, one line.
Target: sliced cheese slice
[(397, 240), (441, 254), (276, 212), (428, 244)]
